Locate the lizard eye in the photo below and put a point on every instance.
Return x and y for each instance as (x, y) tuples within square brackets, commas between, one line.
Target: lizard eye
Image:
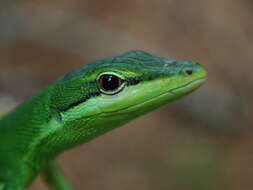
[(110, 84)]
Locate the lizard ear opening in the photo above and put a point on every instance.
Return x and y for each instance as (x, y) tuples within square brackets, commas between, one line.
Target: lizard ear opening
[(110, 84)]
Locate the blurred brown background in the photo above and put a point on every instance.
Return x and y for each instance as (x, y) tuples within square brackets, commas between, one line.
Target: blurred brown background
[(203, 142)]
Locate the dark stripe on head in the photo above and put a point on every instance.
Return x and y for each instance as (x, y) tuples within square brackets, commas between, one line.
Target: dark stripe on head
[(84, 99), (133, 81), (129, 82)]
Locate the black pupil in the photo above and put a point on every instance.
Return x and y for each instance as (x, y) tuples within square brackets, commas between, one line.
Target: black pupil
[(110, 82)]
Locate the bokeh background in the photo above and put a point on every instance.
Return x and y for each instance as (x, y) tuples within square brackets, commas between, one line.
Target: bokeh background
[(203, 142)]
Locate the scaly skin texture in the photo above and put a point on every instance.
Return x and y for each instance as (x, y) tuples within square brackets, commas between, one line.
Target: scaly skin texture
[(76, 108)]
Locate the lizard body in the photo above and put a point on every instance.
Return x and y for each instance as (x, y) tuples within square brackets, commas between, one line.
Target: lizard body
[(84, 104)]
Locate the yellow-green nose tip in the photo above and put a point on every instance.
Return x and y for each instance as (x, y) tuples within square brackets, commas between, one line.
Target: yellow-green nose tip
[(196, 76)]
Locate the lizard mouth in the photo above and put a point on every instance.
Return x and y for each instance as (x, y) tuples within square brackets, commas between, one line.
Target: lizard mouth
[(182, 90), (188, 87)]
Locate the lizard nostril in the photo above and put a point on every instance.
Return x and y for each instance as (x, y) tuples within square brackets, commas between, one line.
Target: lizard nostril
[(189, 72)]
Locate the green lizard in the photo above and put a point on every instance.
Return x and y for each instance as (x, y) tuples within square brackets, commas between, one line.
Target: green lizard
[(84, 104)]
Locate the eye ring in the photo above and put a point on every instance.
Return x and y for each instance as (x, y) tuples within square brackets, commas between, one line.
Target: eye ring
[(110, 84)]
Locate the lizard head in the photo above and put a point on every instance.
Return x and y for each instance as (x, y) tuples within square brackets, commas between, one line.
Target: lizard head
[(110, 92)]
